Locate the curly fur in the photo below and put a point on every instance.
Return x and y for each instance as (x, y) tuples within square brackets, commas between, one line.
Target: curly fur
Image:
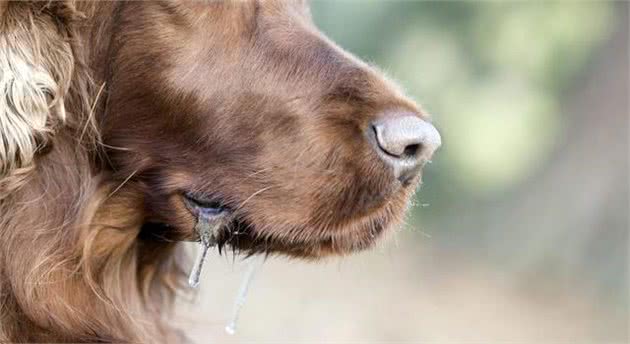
[(37, 68), (68, 271)]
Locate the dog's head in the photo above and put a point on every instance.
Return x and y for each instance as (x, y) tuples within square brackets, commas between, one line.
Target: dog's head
[(246, 108)]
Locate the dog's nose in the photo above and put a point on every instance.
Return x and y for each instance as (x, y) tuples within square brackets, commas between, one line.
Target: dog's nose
[(405, 142)]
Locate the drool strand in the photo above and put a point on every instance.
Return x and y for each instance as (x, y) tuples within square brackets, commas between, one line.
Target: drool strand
[(253, 267), (207, 228)]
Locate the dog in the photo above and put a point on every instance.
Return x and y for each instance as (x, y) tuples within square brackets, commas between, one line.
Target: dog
[(121, 122)]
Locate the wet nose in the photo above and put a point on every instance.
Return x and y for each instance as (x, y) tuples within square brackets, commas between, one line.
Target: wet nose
[(405, 142)]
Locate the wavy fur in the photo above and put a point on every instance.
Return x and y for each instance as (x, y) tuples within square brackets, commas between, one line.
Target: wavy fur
[(36, 65), (67, 268)]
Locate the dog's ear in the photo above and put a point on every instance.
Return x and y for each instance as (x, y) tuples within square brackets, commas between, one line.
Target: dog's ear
[(36, 67)]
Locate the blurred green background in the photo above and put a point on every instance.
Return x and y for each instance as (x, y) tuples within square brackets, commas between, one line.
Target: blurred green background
[(520, 231), (495, 75)]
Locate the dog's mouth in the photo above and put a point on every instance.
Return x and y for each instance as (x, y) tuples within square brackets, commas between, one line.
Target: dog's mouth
[(201, 205), (240, 235)]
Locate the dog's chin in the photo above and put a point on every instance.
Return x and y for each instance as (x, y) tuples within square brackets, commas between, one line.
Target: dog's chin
[(244, 235), (243, 238), (309, 241)]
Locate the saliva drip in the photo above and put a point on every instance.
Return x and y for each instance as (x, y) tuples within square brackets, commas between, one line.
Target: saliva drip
[(253, 267), (208, 225), (207, 228)]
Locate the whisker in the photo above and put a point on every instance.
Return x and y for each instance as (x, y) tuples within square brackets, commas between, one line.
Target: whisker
[(123, 183), (252, 196), (91, 114), (116, 148)]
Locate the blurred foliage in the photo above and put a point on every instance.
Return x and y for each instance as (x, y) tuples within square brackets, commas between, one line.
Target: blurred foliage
[(492, 74)]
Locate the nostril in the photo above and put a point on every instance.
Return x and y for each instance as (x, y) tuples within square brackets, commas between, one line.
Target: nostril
[(404, 142), (411, 150), (405, 136)]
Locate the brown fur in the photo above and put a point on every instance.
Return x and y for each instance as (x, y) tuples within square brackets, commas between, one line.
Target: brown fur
[(243, 101)]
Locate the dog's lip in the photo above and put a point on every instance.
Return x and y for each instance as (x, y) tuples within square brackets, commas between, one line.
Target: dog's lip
[(208, 206), (240, 231), (239, 236)]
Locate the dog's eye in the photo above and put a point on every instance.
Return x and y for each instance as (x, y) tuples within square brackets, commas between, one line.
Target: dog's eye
[(206, 204)]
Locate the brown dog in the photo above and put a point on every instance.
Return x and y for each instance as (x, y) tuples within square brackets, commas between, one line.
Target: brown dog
[(121, 121)]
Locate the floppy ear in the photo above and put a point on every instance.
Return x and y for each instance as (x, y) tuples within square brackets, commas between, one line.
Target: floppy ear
[(36, 66)]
